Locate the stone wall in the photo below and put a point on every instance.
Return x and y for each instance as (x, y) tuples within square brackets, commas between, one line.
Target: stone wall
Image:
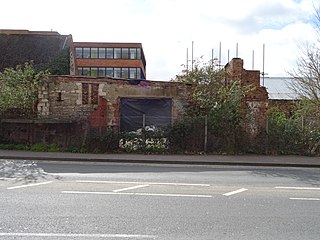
[(97, 99)]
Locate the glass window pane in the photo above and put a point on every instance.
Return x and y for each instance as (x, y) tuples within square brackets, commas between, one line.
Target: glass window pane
[(133, 73), (117, 53), (139, 73), (86, 71), (102, 53), (79, 52), (117, 72), (86, 53), (94, 52), (109, 53), (109, 72), (125, 73), (101, 72), (125, 53), (94, 72), (133, 53), (138, 53), (80, 71)]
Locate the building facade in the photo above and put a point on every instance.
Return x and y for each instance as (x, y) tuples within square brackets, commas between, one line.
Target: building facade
[(48, 49), (113, 60)]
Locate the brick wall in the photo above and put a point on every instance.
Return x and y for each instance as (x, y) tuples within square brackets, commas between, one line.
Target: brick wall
[(256, 99)]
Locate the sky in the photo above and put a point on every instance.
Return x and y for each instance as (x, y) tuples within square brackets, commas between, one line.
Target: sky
[(167, 28)]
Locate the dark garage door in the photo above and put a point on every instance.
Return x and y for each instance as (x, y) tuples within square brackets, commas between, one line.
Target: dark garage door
[(157, 112)]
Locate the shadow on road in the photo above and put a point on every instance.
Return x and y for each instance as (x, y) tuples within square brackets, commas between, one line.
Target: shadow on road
[(305, 175)]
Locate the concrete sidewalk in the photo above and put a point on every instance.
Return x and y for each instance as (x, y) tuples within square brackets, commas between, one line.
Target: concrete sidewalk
[(240, 160)]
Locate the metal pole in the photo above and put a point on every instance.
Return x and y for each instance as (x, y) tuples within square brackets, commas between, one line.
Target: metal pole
[(252, 59), (187, 59), (192, 57), (144, 130), (220, 55), (205, 133), (263, 57), (236, 50), (212, 56)]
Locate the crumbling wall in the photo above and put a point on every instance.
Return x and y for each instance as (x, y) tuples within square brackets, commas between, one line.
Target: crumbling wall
[(255, 100), (97, 99)]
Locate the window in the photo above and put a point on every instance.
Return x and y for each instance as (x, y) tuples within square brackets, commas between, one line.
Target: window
[(86, 53), (94, 72), (133, 53), (85, 93), (101, 72), (109, 53), (94, 53), (125, 53), (117, 53), (133, 73), (124, 73), (79, 52), (139, 73), (80, 71), (117, 72), (138, 53), (94, 93), (86, 71), (90, 93), (102, 53), (109, 72)]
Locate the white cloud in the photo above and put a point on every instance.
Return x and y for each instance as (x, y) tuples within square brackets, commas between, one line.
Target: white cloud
[(166, 28)]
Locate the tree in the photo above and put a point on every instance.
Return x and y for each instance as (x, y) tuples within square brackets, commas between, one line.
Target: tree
[(219, 101), (19, 89), (306, 84)]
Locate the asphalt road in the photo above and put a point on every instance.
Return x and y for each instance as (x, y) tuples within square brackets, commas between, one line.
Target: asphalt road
[(125, 201)]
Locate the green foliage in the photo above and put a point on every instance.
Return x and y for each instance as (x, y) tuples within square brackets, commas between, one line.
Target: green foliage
[(19, 88), (219, 100), (12, 146), (108, 142), (296, 134), (41, 147), (187, 135)]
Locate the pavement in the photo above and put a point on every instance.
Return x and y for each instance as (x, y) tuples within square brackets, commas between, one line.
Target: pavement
[(205, 159)]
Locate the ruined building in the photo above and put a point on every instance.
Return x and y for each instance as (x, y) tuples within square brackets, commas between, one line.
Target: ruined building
[(106, 88)]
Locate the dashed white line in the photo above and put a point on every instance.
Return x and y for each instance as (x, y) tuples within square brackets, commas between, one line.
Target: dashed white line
[(73, 235), (147, 183), (139, 194), (129, 188), (235, 192), (29, 185), (298, 188), (306, 199)]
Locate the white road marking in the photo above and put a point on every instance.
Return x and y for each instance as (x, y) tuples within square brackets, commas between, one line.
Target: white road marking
[(130, 188), (306, 199), (299, 188), (68, 235), (235, 192), (29, 185), (147, 183), (139, 194)]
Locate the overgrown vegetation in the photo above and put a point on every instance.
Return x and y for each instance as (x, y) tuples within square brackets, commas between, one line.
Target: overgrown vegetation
[(19, 89), (217, 101)]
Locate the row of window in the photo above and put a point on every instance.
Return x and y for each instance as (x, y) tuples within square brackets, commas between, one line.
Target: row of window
[(126, 73), (108, 53)]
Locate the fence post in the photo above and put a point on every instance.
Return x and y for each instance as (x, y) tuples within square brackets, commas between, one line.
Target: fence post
[(144, 130), (205, 133)]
